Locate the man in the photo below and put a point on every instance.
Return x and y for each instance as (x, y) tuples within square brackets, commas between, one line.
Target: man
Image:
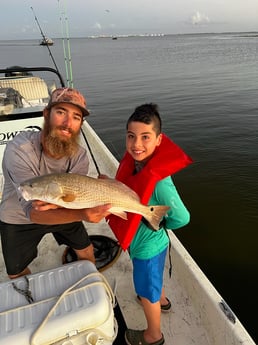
[(29, 154)]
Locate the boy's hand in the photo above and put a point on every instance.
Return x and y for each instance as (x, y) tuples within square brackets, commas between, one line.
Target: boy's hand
[(103, 176)]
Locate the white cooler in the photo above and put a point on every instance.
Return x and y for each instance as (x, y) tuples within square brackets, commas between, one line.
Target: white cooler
[(72, 304)]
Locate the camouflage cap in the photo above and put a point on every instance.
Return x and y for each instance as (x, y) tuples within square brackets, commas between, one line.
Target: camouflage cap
[(68, 95)]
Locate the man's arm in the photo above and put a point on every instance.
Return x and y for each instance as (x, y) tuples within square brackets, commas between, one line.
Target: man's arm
[(50, 214)]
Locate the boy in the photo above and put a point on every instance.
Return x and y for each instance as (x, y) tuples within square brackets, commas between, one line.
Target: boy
[(147, 166)]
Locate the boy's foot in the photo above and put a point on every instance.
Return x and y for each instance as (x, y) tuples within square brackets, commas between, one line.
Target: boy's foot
[(134, 337), (165, 308)]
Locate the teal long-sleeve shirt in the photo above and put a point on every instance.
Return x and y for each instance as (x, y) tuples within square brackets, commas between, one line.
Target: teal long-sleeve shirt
[(148, 243)]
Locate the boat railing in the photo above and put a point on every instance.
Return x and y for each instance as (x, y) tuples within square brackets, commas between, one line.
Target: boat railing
[(18, 69)]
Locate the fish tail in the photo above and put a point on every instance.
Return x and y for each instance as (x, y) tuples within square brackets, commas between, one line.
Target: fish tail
[(155, 215)]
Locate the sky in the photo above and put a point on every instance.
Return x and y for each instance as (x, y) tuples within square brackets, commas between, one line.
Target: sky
[(82, 18)]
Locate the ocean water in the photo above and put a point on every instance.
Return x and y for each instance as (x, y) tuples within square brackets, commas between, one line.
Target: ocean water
[(206, 89)]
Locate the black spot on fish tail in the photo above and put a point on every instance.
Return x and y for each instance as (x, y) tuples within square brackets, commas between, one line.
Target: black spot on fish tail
[(156, 216)]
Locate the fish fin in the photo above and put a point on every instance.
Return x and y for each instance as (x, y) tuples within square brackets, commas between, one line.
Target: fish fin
[(155, 215), (120, 214), (68, 197)]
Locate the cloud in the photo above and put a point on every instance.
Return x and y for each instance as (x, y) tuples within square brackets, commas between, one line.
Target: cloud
[(97, 26), (199, 18)]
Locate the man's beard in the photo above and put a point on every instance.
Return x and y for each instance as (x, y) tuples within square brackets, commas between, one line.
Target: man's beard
[(56, 146)]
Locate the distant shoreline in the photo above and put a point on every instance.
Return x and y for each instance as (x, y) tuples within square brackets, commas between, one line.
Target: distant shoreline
[(111, 36)]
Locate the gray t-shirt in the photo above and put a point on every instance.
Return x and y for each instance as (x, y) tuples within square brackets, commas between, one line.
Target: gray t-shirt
[(24, 159)]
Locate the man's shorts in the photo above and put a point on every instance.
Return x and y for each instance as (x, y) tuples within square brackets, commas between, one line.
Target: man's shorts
[(148, 276), (20, 241)]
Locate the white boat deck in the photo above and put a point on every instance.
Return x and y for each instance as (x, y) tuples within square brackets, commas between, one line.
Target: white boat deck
[(181, 326), (194, 318)]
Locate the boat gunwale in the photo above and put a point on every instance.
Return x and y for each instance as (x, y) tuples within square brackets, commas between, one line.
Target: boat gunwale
[(32, 69)]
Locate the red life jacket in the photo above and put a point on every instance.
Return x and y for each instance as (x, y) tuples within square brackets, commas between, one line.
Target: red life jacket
[(167, 159)]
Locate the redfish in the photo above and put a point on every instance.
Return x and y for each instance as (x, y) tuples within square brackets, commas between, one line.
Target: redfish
[(79, 191)]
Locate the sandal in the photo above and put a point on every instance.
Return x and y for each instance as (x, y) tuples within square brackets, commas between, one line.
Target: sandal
[(165, 308), (134, 337)]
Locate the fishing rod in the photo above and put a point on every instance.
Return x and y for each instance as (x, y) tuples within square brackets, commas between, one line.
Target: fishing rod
[(44, 38), (64, 47), (67, 50), (91, 153)]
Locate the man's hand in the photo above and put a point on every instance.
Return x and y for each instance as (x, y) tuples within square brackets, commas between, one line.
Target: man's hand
[(95, 214), (43, 206)]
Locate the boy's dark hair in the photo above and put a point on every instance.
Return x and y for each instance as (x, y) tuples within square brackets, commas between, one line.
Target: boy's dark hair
[(147, 113)]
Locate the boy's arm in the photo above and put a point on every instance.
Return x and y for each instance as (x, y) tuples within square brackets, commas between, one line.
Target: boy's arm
[(166, 194)]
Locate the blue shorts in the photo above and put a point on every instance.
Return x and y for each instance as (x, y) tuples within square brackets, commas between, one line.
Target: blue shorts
[(148, 276)]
